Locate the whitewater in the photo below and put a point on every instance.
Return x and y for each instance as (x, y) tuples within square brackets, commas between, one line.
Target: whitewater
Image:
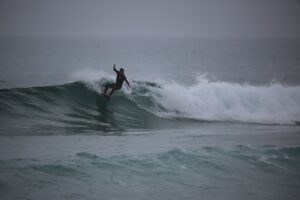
[(221, 101)]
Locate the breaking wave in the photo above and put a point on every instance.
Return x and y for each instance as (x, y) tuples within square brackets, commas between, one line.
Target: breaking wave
[(79, 107)]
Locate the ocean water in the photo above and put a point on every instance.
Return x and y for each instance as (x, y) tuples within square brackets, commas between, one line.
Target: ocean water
[(204, 119)]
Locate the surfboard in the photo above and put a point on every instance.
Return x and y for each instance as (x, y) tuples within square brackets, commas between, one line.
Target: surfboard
[(106, 96)]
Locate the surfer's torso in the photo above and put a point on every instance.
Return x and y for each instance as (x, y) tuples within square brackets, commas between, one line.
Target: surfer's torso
[(120, 79)]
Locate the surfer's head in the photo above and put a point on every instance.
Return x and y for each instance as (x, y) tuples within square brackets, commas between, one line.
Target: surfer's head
[(122, 70)]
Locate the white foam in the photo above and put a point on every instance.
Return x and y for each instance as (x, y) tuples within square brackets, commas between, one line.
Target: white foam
[(223, 101)]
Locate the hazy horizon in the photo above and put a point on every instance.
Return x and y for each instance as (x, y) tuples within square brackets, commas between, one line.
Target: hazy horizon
[(133, 18)]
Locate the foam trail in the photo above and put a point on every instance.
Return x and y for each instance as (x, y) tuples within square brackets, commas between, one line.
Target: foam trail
[(223, 101)]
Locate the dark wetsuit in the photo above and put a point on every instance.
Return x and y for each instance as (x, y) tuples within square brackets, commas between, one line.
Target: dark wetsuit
[(119, 82)]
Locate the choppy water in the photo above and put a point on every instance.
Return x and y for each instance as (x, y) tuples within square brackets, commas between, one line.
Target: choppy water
[(204, 119)]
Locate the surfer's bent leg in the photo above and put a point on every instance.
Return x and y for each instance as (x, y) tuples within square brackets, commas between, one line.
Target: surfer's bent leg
[(109, 86), (116, 87)]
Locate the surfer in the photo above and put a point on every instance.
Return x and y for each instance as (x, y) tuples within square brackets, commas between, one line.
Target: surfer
[(119, 81)]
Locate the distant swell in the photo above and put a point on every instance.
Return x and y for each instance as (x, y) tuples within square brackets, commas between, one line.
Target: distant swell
[(79, 107), (180, 168)]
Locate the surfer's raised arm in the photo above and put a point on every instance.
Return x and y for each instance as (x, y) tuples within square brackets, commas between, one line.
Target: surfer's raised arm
[(115, 69)]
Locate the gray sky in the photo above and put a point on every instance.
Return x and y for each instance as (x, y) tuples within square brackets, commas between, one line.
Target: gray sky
[(151, 18)]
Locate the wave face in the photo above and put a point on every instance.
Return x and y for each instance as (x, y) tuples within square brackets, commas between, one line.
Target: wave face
[(79, 107), (74, 107)]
